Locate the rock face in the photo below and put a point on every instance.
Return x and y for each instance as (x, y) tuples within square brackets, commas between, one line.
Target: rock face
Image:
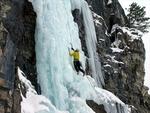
[(121, 52), (122, 55), (17, 26), (97, 108), (111, 12)]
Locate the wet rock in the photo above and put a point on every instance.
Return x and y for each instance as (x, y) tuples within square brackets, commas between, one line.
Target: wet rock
[(97, 108)]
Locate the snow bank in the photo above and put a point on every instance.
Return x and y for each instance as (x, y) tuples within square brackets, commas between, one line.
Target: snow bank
[(81, 90), (32, 102), (133, 33)]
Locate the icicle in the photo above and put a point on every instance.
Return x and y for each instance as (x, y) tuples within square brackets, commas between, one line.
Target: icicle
[(91, 41), (76, 4)]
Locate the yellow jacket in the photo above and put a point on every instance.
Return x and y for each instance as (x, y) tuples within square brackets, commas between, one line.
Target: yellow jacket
[(75, 54)]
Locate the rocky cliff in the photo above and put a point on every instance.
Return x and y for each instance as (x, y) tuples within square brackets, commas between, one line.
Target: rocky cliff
[(122, 56), (17, 26)]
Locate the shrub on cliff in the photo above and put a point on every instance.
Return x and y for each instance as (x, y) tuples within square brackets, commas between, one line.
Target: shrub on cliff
[(136, 16)]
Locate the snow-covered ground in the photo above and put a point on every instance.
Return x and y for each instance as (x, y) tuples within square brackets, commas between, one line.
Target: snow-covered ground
[(34, 103), (146, 37)]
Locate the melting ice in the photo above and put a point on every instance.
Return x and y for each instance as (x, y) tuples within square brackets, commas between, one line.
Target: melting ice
[(62, 89)]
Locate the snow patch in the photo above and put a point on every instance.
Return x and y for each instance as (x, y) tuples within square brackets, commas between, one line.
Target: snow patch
[(29, 87), (133, 33), (107, 65), (115, 61), (114, 27), (97, 19), (109, 2), (117, 50), (34, 103), (97, 22), (112, 59), (102, 40), (97, 16)]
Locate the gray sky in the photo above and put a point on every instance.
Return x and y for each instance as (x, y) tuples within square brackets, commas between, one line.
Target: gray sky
[(146, 37)]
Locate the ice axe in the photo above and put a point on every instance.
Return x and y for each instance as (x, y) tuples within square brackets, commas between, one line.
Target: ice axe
[(71, 46)]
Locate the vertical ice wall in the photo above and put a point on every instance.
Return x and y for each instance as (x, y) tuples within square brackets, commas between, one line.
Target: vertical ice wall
[(91, 39), (55, 29), (91, 42)]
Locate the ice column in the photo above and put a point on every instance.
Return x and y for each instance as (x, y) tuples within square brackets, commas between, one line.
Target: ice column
[(91, 39), (55, 29)]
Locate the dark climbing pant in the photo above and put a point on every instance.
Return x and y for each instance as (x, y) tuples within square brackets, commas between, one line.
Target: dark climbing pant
[(77, 66)]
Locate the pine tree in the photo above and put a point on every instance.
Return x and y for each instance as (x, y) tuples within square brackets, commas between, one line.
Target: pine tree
[(136, 16)]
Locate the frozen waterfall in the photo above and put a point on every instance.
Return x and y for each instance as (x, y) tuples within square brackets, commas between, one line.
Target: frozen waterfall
[(91, 39), (55, 30)]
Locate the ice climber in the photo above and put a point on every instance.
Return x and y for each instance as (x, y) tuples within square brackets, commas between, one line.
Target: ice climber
[(76, 60)]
